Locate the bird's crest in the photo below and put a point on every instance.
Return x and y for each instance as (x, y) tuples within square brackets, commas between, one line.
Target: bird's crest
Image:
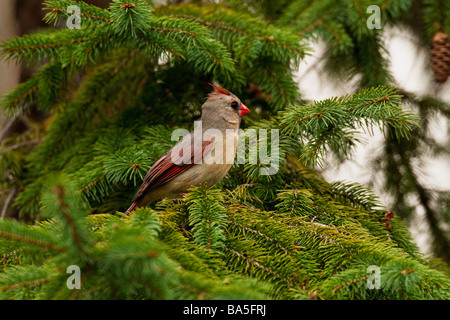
[(218, 90)]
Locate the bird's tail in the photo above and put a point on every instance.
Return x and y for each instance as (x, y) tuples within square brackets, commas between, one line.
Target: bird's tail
[(131, 208)]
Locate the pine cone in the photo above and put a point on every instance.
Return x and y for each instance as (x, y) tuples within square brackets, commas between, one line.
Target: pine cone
[(440, 56)]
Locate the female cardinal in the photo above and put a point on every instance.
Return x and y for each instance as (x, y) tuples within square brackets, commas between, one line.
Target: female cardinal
[(185, 164)]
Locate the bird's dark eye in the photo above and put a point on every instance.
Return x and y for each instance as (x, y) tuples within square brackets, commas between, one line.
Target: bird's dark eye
[(235, 104)]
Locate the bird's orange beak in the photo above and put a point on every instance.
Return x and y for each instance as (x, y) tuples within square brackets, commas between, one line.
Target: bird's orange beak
[(243, 110)]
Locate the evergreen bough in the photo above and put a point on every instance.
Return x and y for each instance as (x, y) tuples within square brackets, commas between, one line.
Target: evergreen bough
[(108, 87)]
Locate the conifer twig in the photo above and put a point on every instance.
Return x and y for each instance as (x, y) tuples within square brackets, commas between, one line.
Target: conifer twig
[(219, 25), (89, 16), (348, 283), (258, 265), (60, 192), (26, 284), (32, 241), (20, 145), (7, 202), (140, 36)]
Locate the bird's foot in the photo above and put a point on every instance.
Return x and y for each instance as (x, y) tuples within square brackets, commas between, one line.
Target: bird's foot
[(177, 200)]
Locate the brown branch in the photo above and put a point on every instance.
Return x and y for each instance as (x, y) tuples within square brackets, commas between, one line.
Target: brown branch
[(173, 30), (310, 27), (322, 141), (112, 21), (7, 202), (27, 283), (258, 265), (348, 283), (97, 43), (314, 24), (220, 25), (266, 237), (304, 118), (43, 46), (359, 10), (20, 145), (386, 98), (140, 36), (394, 120), (368, 104), (90, 185), (322, 235), (26, 93), (273, 241), (32, 241), (90, 16), (60, 192), (333, 32)]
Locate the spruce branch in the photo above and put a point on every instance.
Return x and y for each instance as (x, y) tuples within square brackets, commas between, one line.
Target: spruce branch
[(355, 194), (258, 265), (32, 241), (63, 206), (27, 235), (22, 281), (219, 25), (351, 282), (58, 8), (29, 283), (290, 251), (330, 122), (39, 47), (72, 120), (7, 203), (207, 217), (283, 236)]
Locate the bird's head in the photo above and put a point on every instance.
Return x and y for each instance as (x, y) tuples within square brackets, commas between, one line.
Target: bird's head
[(224, 104)]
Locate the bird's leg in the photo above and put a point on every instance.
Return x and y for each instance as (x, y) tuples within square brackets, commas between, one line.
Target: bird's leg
[(182, 194)]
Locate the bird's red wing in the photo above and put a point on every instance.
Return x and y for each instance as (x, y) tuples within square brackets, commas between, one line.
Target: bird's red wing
[(165, 170)]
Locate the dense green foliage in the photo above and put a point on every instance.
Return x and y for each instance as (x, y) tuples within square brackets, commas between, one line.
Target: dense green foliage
[(114, 90), (357, 54)]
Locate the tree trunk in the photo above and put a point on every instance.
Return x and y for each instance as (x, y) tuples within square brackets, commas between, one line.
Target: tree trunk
[(9, 72)]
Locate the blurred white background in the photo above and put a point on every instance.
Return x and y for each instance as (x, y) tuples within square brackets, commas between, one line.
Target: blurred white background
[(410, 68), (412, 72)]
